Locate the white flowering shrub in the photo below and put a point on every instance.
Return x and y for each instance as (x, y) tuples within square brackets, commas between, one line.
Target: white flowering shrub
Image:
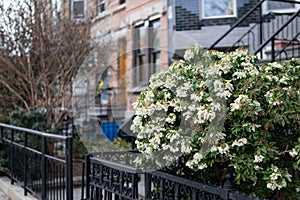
[(215, 113)]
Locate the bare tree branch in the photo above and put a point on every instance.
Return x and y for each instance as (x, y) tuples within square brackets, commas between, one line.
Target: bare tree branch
[(40, 56)]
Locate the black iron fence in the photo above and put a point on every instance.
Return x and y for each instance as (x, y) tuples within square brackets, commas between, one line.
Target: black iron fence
[(40, 162), (112, 175), (34, 162), (109, 175)]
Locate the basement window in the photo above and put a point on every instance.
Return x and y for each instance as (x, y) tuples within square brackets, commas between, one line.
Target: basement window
[(218, 8), (279, 7)]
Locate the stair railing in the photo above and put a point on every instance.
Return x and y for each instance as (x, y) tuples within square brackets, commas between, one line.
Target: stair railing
[(261, 44), (293, 42), (237, 23), (273, 37)]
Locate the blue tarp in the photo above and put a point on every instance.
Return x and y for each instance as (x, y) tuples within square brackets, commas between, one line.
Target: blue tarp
[(110, 129)]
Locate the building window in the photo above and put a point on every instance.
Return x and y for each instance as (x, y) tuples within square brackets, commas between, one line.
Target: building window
[(78, 9), (218, 8), (122, 1), (273, 6), (100, 6), (55, 9), (147, 51)]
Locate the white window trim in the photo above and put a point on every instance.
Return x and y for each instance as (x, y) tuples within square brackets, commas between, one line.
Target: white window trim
[(265, 10), (72, 9), (220, 16), (56, 5), (104, 11)]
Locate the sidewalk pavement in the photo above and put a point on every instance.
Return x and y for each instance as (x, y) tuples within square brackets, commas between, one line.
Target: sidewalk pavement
[(16, 192), (12, 192), (3, 196)]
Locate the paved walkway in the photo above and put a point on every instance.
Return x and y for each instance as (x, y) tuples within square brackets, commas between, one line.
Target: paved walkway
[(3, 196), (16, 192), (12, 192)]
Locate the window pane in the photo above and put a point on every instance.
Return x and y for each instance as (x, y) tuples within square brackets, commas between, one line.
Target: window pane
[(215, 8), (155, 34), (142, 38), (78, 9), (272, 5), (156, 62), (142, 69), (100, 6)]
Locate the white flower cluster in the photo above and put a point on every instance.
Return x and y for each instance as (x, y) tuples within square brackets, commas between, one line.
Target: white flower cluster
[(276, 74), (239, 142), (258, 158), (158, 111), (195, 162), (277, 179), (293, 153), (251, 127), (189, 96), (243, 101), (273, 66)]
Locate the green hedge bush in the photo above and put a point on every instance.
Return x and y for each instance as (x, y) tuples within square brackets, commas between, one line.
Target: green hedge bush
[(215, 113)]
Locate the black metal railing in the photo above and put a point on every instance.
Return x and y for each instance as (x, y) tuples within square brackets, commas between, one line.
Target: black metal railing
[(264, 37), (109, 175), (285, 27), (113, 175), (33, 163)]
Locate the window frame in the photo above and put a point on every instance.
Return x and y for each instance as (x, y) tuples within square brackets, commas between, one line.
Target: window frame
[(56, 8), (218, 16), (148, 54), (100, 4), (72, 10), (266, 10)]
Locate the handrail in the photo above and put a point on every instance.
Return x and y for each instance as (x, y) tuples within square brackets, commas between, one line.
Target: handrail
[(288, 1), (39, 133), (236, 24), (244, 17), (37, 167), (277, 32), (294, 39), (240, 39)]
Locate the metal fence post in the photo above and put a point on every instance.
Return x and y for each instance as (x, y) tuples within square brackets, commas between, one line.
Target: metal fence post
[(69, 168), (88, 172), (273, 49), (44, 170), (11, 156), (2, 133), (228, 186), (147, 185), (25, 172), (82, 180), (260, 29)]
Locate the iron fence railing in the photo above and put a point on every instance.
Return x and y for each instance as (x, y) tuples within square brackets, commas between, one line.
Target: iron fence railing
[(113, 175), (109, 175), (33, 164)]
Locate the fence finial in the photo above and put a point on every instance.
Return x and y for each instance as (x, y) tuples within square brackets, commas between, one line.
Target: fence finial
[(229, 181)]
